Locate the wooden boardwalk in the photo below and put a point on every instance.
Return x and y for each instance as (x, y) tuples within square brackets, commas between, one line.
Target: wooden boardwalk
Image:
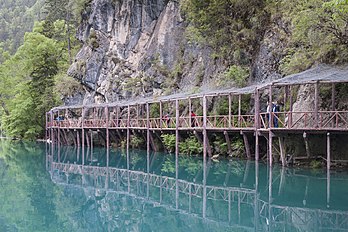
[(150, 115)]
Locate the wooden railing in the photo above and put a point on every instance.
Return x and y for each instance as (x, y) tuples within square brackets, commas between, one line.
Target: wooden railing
[(287, 120), (306, 120)]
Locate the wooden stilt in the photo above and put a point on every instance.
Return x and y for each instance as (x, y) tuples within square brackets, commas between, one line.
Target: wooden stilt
[(257, 123), (83, 145), (229, 110), (305, 137), (107, 136), (328, 188), (270, 105), (316, 104), (152, 143), (161, 114), (177, 152), (91, 131), (201, 141), (270, 146), (239, 110), (282, 151), (190, 109), (204, 156), (228, 142), (290, 108), (257, 146), (328, 151), (333, 102), (246, 145)]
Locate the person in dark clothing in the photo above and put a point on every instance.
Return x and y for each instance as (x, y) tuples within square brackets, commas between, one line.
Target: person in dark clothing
[(275, 109)]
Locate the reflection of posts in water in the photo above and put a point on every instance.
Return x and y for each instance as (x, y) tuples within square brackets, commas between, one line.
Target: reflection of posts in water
[(328, 188), (269, 223)]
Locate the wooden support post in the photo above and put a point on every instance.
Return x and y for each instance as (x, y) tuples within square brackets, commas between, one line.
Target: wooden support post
[(107, 136), (78, 138), (201, 141), (83, 135), (228, 142), (270, 121), (205, 138), (328, 182), (190, 109), (290, 108), (257, 123), (328, 151), (282, 151), (152, 143), (147, 127), (270, 147), (333, 102), (333, 97), (246, 145), (239, 110), (148, 139), (316, 104), (176, 151), (229, 110), (161, 114), (91, 131), (305, 137)]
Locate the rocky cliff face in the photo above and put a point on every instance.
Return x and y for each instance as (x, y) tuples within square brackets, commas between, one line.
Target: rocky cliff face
[(138, 48)]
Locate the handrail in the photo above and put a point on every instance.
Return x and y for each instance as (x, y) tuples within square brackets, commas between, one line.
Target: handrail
[(285, 120)]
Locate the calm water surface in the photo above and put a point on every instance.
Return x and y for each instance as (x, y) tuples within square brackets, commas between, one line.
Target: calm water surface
[(59, 189)]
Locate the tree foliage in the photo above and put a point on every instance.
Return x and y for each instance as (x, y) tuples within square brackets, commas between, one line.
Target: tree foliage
[(16, 18), (27, 83)]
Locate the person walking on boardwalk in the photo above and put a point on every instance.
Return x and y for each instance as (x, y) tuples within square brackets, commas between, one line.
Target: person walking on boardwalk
[(166, 120), (193, 119)]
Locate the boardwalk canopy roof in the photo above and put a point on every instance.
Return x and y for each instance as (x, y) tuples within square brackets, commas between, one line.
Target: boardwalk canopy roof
[(322, 73)]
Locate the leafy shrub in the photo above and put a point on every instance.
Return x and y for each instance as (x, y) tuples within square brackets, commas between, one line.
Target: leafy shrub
[(237, 74), (169, 142), (191, 146)]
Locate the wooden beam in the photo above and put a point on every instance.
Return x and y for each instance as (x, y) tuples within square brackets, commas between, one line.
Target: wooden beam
[(290, 108), (282, 151), (107, 136), (239, 109), (270, 147), (305, 137), (270, 99), (328, 151), (147, 127), (333, 97), (257, 123), (316, 104), (190, 109), (228, 142), (161, 114), (229, 111), (176, 152), (246, 145)]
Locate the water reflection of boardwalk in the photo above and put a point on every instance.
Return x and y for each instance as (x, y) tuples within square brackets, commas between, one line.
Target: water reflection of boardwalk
[(244, 113), (201, 200)]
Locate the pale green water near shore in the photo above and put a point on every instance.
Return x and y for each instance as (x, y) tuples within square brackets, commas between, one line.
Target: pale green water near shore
[(50, 190)]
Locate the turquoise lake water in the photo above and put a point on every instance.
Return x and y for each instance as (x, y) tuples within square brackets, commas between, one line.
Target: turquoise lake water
[(45, 188)]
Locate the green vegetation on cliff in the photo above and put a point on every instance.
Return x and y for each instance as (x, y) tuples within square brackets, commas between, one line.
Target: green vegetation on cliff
[(311, 31)]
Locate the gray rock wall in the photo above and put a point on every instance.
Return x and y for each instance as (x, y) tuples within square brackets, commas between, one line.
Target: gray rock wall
[(137, 48)]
